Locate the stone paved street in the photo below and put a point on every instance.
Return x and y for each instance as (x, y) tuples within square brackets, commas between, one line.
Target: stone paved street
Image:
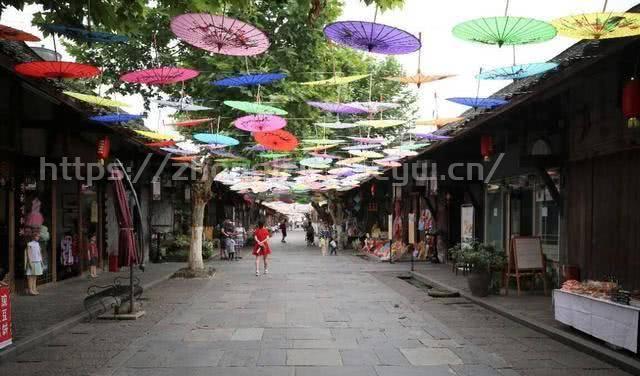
[(311, 315)]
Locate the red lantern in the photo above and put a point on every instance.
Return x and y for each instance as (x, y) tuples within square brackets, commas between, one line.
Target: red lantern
[(103, 147), (631, 103), (486, 147), (373, 190)]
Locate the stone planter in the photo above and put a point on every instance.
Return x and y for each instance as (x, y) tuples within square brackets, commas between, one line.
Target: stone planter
[(479, 283)]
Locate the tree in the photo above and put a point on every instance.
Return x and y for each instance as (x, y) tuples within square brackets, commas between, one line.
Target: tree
[(298, 48)]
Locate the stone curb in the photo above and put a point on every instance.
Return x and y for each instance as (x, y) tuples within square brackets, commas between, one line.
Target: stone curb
[(596, 350)]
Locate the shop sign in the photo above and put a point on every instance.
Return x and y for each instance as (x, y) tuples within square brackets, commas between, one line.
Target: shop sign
[(467, 219), (5, 317)]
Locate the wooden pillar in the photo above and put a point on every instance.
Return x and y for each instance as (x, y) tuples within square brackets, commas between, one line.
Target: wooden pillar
[(54, 231), (11, 226)]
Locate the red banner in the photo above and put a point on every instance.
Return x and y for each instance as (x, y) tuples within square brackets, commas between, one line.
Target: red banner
[(5, 317)]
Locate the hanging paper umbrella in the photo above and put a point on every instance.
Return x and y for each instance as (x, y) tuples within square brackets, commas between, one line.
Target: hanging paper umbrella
[(315, 161), (85, 35), (419, 78), (56, 69), (260, 123), (318, 148), (256, 147), (374, 107), (220, 34), (182, 105), (185, 158), (272, 155), (325, 155), (213, 138), (337, 108), (215, 146), (116, 118), (255, 108), (412, 146), (380, 123), (159, 76), (361, 147), (398, 152), (98, 101), (155, 135), (160, 144), (516, 72), (335, 80), (505, 30), (387, 163), (599, 25), (319, 166), (350, 161), (369, 140), (224, 154), (476, 102), (433, 137), (250, 79), (366, 153), (322, 141), (439, 122), (192, 122), (9, 33), (372, 37), (336, 125), (277, 140), (179, 151)]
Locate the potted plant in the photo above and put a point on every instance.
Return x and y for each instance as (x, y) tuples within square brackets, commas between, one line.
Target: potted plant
[(481, 260)]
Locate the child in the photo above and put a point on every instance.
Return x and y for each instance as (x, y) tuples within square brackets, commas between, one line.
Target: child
[(92, 255), (333, 247)]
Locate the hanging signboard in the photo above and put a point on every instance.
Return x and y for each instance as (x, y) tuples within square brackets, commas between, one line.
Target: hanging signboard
[(390, 227), (5, 316), (412, 228), (466, 220)]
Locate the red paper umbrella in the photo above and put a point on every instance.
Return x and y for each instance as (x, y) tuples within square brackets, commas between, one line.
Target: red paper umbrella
[(57, 69), (191, 123), (278, 140), (159, 76), (161, 144), (9, 33), (260, 123), (220, 34)]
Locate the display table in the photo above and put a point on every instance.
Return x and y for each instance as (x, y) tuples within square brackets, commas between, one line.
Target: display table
[(611, 322)]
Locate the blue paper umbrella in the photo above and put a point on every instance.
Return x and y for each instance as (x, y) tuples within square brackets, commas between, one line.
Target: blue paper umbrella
[(476, 102), (250, 79), (516, 72), (212, 138), (115, 118), (78, 33)]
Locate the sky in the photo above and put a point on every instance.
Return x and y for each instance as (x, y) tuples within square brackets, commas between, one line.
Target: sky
[(441, 52)]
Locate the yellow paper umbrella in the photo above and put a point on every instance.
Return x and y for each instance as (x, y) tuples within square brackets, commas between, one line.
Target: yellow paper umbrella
[(366, 154), (380, 123), (99, 101), (419, 78), (350, 161), (322, 141), (155, 135), (335, 80), (601, 25), (318, 147), (439, 122)]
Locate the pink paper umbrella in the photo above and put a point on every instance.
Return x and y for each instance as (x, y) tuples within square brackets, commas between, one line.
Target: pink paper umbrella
[(159, 76), (220, 34), (260, 123)]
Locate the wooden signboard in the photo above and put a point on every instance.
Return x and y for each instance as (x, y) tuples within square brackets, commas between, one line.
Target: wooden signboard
[(525, 260)]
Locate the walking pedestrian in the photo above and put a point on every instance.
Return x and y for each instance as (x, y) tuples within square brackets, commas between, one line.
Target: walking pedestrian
[(283, 229), (261, 248), (92, 255), (229, 235), (33, 264)]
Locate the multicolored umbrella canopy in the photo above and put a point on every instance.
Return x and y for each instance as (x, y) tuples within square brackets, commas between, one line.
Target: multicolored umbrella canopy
[(439, 122), (84, 35), (337, 108), (220, 34), (279, 140), (159, 76), (478, 102), (98, 101), (116, 118), (250, 79), (9, 33), (419, 78), (336, 125), (214, 138), (335, 80), (56, 69), (516, 72), (380, 123), (255, 108), (374, 107), (372, 37), (191, 122), (155, 135), (602, 25), (260, 123), (182, 105), (505, 30)]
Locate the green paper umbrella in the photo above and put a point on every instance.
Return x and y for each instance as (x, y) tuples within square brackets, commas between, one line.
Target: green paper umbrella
[(336, 80), (273, 155), (255, 108), (505, 30)]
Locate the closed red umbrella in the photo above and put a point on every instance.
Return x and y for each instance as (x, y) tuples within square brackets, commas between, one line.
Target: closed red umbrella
[(127, 250)]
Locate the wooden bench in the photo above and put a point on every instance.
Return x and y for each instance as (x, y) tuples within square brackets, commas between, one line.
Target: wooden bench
[(100, 299)]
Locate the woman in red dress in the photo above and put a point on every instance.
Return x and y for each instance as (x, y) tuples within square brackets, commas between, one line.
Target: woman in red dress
[(261, 247)]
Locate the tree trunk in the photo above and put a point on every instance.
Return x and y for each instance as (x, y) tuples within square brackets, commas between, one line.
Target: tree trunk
[(195, 251)]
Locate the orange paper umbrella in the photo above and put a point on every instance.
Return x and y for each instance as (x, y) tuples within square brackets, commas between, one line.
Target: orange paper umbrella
[(277, 140), (191, 123), (56, 69), (160, 144), (9, 33), (185, 158), (419, 78), (439, 122)]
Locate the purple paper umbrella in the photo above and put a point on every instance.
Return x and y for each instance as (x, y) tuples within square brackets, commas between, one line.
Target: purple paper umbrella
[(220, 34), (372, 37), (374, 107), (260, 123), (337, 108), (432, 137)]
